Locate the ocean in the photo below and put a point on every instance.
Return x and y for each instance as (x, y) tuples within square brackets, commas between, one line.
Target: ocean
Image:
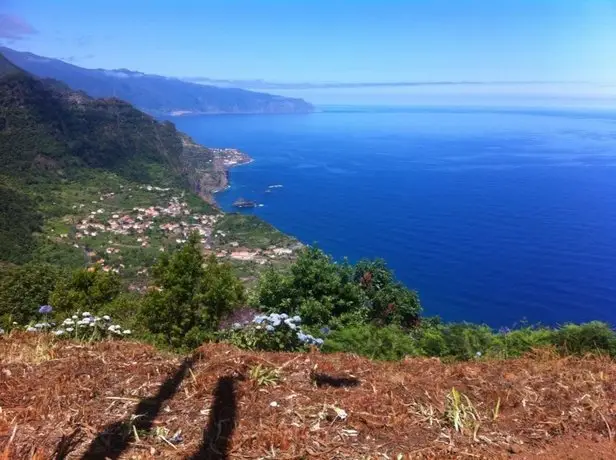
[(495, 216)]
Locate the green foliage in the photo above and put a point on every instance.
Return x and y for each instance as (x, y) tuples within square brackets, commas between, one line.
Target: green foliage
[(189, 298), (19, 219), (125, 309), (24, 289), (323, 292), (388, 343), (593, 337), (255, 337), (264, 376), (517, 342), (87, 290), (460, 412)]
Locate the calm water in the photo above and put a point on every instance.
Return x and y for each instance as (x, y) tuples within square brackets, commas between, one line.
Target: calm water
[(493, 216)]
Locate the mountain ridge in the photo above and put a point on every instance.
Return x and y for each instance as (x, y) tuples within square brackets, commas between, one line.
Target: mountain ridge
[(155, 94)]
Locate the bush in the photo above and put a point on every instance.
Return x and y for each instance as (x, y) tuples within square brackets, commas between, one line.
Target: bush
[(385, 343), (275, 332), (593, 337), (86, 290), (81, 326), (189, 298), (24, 289), (323, 292), (517, 342)]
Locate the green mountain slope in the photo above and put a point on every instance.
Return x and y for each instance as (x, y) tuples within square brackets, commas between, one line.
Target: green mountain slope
[(50, 135)]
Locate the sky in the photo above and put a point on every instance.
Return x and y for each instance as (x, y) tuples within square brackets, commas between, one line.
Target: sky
[(553, 48)]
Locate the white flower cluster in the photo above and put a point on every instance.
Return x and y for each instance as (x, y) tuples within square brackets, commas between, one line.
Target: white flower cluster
[(271, 322), (80, 325)]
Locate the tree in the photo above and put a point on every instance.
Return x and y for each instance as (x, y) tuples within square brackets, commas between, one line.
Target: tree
[(324, 292), (190, 296), (86, 290), (24, 289), (389, 301), (316, 288)]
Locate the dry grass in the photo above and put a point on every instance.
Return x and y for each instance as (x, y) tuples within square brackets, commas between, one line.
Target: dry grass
[(397, 410), (23, 348)]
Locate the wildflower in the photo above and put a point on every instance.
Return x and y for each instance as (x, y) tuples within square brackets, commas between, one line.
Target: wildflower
[(283, 316), (297, 319), (92, 324), (276, 322), (258, 328), (68, 321), (69, 329), (325, 330), (1, 331), (269, 328), (258, 319), (126, 332), (75, 317), (319, 342), (38, 325), (237, 325), (290, 323), (31, 329), (58, 332), (45, 309), (107, 318), (86, 314), (478, 354)]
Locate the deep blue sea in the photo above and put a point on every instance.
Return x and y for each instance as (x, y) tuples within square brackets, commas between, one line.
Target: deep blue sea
[(493, 216)]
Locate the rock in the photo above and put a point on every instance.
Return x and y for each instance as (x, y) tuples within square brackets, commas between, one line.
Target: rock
[(515, 448)]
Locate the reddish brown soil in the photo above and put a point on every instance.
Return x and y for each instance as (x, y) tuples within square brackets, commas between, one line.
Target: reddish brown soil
[(77, 400)]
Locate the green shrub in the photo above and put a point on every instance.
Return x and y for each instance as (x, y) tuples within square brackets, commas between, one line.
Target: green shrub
[(190, 297), (517, 342), (467, 341), (593, 337), (24, 289), (338, 295), (274, 332), (126, 309), (384, 343), (87, 290)]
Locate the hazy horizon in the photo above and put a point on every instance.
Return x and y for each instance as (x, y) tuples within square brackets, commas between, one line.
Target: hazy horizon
[(329, 52)]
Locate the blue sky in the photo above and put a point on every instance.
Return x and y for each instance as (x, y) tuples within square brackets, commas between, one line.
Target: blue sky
[(331, 40)]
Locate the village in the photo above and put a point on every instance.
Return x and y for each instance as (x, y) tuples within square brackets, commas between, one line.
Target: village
[(107, 234)]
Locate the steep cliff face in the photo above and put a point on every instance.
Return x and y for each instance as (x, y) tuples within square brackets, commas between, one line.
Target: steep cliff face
[(204, 168)]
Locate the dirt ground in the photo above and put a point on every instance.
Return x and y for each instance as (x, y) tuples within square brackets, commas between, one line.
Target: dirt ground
[(128, 400)]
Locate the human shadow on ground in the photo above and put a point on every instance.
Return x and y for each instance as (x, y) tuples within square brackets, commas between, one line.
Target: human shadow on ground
[(324, 380), (221, 423), (115, 438)]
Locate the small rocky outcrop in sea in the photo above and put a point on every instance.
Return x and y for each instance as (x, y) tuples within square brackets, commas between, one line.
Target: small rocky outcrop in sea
[(243, 203)]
